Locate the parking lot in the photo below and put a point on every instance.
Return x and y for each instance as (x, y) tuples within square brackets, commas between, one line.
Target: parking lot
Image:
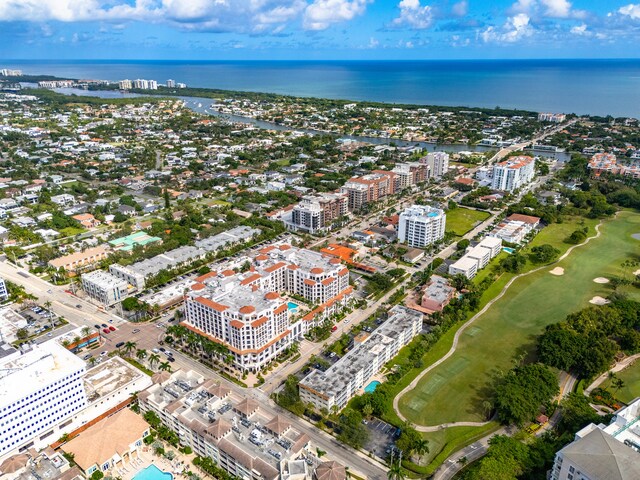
[(382, 438)]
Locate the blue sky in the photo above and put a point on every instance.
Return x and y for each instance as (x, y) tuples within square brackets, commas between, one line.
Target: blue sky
[(318, 29)]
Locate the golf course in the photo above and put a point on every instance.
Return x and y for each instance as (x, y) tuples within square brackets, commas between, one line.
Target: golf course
[(507, 330)]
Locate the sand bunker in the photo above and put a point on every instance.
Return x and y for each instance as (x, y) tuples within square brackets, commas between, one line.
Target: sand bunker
[(637, 272), (599, 301), (601, 280), (557, 271)]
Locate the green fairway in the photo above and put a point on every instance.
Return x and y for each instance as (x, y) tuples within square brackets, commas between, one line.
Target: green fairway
[(509, 328), (631, 378), (461, 220)]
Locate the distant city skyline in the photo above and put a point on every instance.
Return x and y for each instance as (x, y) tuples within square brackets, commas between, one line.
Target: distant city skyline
[(318, 29)]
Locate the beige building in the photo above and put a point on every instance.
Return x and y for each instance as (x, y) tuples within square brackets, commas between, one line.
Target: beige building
[(110, 444), (78, 260)]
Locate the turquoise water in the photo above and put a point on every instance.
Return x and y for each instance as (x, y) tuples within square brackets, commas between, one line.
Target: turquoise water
[(153, 473), (372, 386), (292, 306), (508, 249)]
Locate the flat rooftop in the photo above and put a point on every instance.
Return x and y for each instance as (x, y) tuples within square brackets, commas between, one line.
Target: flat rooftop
[(109, 377)]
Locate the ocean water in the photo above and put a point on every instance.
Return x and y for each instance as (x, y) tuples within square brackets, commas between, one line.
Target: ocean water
[(598, 87)]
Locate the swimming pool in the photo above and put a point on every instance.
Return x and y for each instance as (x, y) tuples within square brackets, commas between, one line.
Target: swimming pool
[(292, 306), (153, 473), (372, 386), (508, 249)]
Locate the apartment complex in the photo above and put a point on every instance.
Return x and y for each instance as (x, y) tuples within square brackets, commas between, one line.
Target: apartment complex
[(421, 225), (80, 260), (145, 84), (409, 174), (437, 163), (476, 258), (513, 173), (317, 212), (4, 293), (340, 382), (608, 162), (235, 432), (246, 311), (369, 188), (610, 452), (552, 117), (104, 287), (39, 390)]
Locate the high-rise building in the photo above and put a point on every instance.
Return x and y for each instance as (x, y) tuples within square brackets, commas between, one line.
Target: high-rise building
[(7, 72), (171, 83), (421, 225), (317, 212), (4, 293), (513, 173), (153, 85), (246, 312), (369, 188), (437, 162), (125, 84), (39, 390), (552, 117)]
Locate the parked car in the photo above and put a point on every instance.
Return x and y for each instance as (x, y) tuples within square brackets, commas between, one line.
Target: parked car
[(136, 330), (112, 328), (87, 356), (97, 326), (104, 325), (106, 330), (119, 344)]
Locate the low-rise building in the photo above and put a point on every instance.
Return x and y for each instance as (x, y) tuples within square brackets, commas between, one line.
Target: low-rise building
[(80, 260), (105, 287), (610, 452), (340, 382), (515, 228), (476, 257), (437, 294), (464, 266), (235, 432)]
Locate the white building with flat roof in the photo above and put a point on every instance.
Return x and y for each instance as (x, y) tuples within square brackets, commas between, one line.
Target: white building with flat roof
[(476, 257), (105, 287), (340, 382), (4, 293), (465, 266), (437, 162), (39, 390), (421, 225), (513, 173)]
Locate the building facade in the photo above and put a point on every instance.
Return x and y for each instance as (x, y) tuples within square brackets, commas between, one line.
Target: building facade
[(369, 188), (105, 287), (421, 225), (513, 174), (317, 212), (437, 163), (344, 379)]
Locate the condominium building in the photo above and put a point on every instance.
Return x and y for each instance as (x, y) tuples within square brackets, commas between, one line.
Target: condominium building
[(171, 83), (515, 228), (476, 257), (421, 225), (4, 293), (408, 174), (345, 378), (105, 287), (246, 312), (317, 212), (129, 275), (552, 117), (8, 72), (369, 188), (513, 173), (437, 162), (39, 390), (145, 84), (125, 84), (237, 433), (603, 452)]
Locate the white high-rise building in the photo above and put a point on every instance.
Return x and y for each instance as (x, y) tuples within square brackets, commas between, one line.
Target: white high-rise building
[(421, 225), (153, 85), (513, 173), (39, 390), (171, 83), (4, 293), (125, 84), (438, 163)]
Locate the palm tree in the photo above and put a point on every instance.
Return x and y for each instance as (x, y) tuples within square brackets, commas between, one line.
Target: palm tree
[(395, 472), (85, 332), (153, 359), (618, 383), (141, 353), (421, 447), (129, 347), (164, 367)]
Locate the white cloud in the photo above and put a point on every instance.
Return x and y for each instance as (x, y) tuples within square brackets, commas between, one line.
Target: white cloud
[(632, 11), (461, 8), (321, 14), (580, 30), (557, 8), (514, 29), (414, 15), (547, 8)]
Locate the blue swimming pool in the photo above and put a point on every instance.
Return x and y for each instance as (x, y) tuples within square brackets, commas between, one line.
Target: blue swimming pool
[(372, 386), (153, 473), (508, 249), (292, 306)]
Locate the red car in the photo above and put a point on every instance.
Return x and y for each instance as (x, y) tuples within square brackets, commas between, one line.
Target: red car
[(334, 328), (112, 328), (106, 330)]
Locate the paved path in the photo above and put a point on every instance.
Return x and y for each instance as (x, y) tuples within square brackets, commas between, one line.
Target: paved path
[(618, 367), (456, 338)]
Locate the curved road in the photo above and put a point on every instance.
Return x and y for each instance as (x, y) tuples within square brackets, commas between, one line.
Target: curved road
[(456, 338)]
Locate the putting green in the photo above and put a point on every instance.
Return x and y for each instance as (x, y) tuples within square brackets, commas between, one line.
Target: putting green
[(510, 326)]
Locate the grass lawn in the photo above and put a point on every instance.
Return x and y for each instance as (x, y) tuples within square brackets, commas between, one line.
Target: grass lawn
[(631, 378), (71, 231), (455, 390), (460, 220)]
